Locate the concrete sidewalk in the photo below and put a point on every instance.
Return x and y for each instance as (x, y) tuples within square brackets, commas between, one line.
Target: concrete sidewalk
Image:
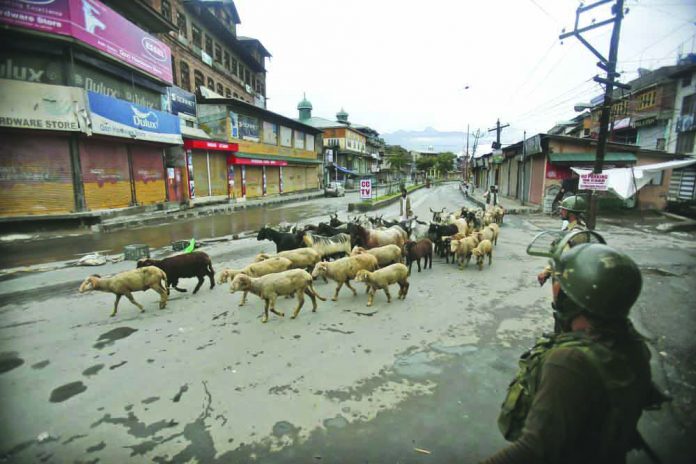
[(511, 205)]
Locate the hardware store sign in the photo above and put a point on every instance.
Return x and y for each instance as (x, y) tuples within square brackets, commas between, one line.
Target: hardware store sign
[(40, 106)]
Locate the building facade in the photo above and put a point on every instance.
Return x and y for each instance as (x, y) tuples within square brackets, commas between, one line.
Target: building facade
[(81, 124)]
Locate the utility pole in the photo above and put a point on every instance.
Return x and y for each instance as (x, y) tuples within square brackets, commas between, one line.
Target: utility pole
[(609, 66), (498, 129), (466, 156)]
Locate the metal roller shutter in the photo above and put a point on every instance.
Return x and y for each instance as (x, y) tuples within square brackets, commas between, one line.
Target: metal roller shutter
[(254, 181), (682, 185), (218, 173), (238, 182), (148, 173), (36, 175), (293, 178), (272, 180), (200, 174), (312, 181), (105, 174)]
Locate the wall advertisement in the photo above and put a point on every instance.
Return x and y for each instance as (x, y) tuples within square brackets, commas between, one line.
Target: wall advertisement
[(248, 128), (94, 24)]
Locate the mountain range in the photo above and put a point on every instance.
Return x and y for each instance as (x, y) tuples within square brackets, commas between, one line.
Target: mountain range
[(430, 139)]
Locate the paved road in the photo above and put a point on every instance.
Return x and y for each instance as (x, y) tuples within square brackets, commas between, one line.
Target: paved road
[(205, 381)]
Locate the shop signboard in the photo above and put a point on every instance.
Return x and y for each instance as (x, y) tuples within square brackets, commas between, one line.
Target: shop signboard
[(258, 162), (41, 106), (179, 101), (94, 24), (248, 128), (119, 118)]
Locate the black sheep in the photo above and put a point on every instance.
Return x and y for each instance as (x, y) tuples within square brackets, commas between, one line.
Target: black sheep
[(284, 241), (414, 251), (436, 232), (194, 264)]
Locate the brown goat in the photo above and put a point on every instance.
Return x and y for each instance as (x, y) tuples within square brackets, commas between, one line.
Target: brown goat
[(414, 251)]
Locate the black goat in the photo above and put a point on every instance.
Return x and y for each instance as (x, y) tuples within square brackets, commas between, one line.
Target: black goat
[(414, 251), (329, 231), (194, 264), (284, 241), (436, 232)]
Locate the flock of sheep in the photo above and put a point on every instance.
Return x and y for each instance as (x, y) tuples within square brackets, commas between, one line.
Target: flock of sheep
[(366, 249)]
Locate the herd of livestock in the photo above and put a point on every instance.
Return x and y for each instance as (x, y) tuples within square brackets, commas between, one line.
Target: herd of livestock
[(366, 249)]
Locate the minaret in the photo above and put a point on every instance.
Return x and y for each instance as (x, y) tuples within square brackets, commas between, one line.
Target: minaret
[(305, 108)]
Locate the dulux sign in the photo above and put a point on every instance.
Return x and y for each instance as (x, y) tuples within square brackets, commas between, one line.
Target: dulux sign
[(95, 24), (119, 118)]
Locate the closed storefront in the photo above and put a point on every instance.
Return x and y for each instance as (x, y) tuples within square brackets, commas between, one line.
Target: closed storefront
[(200, 173), (237, 193), (254, 181), (35, 174), (312, 179), (208, 168), (272, 180), (148, 174), (105, 174), (294, 178)]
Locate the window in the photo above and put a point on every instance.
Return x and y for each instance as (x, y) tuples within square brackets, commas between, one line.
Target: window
[(218, 53), (181, 24), (219, 89), (647, 100), (226, 62), (235, 95), (234, 66), (619, 108), (174, 72), (167, 10), (211, 83), (185, 80), (688, 105), (686, 80), (247, 76), (685, 142), (253, 82), (208, 45), (198, 79), (196, 35), (228, 92)]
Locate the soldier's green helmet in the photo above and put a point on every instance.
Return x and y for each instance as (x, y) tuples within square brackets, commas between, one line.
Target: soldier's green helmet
[(574, 204), (600, 280)]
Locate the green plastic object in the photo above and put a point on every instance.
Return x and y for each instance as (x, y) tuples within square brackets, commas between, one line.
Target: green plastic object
[(191, 246), (574, 204)]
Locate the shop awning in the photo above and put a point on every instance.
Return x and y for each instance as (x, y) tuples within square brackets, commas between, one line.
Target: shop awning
[(193, 133), (566, 158), (345, 171), (287, 159)]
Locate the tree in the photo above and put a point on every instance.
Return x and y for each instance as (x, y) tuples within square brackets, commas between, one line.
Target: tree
[(425, 163), (445, 162), (398, 157)]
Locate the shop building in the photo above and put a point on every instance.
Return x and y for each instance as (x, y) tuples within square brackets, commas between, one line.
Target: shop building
[(81, 126), (251, 153)]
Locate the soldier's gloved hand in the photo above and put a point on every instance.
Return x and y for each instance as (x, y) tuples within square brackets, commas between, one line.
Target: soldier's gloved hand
[(542, 277)]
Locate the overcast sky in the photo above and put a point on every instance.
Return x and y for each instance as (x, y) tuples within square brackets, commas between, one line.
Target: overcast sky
[(403, 64)]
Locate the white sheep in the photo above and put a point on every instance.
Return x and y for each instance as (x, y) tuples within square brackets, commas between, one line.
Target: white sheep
[(387, 254), (271, 286), (484, 248), (123, 283), (463, 249), (343, 270), (301, 258), (381, 279), (269, 266)]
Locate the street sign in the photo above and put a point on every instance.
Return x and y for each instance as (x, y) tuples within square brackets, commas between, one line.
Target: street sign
[(365, 189), (592, 181)]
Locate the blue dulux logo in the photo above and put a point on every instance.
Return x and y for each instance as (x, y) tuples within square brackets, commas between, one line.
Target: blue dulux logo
[(144, 119)]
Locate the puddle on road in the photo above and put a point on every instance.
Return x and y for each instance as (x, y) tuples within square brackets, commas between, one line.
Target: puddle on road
[(416, 366), (93, 370), (67, 391), (110, 337), (9, 360), (337, 422), (285, 428)]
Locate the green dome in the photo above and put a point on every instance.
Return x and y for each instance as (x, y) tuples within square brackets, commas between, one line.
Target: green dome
[(304, 104), (342, 116)]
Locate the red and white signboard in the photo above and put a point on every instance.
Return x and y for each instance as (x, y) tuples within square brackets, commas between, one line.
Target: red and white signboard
[(365, 189), (210, 145), (592, 181)]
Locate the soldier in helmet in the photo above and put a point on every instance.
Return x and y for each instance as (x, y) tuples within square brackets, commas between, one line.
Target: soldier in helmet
[(572, 211), (578, 394)]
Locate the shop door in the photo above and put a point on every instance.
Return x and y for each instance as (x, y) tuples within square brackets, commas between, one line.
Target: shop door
[(175, 186), (218, 173), (36, 175), (272, 180), (254, 181), (148, 174), (105, 174), (312, 181), (237, 181), (200, 174), (293, 178)]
